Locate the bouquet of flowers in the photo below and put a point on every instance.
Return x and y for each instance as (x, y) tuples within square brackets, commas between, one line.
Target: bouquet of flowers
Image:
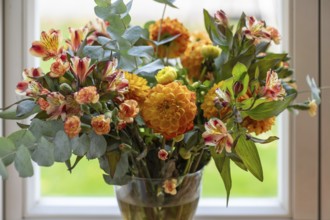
[(153, 102)]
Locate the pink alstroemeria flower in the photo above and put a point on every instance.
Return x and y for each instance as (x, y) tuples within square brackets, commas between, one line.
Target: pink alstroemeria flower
[(216, 134), (117, 82), (221, 18), (29, 86), (76, 38), (80, 67), (49, 45), (273, 88), (256, 30)]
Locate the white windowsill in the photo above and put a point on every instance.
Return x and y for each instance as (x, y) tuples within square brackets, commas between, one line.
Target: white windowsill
[(106, 208)]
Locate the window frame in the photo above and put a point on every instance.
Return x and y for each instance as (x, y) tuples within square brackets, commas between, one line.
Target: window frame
[(301, 203)]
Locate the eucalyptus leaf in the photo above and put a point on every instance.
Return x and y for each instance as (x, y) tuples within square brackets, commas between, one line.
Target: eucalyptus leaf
[(103, 3), (80, 145), (151, 67), (25, 107), (23, 162), (23, 137), (98, 146), (7, 151), (62, 151), (141, 51), (167, 2), (116, 181), (46, 129), (314, 89), (108, 43), (3, 170), (248, 153), (43, 155), (133, 34), (11, 113), (113, 159), (94, 52)]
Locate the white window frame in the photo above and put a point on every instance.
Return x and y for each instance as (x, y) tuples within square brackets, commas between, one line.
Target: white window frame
[(299, 187)]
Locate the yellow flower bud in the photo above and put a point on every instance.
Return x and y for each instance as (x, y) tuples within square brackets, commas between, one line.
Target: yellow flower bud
[(178, 138), (312, 108), (185, 154), (210, 51), (166, 75)]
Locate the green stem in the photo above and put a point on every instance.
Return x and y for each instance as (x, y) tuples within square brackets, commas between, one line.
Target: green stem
[(188, 165), (202, 74), (160, 28), (198, 161)]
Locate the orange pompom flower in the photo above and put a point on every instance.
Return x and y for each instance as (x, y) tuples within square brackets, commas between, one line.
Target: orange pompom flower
[(58, 68), (170, 28), (138, 88), (100, 124), (87, 95), (170, 109), (258, 126), (72, 126)]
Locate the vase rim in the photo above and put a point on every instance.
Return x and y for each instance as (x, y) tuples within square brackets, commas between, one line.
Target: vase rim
[(199, 172)]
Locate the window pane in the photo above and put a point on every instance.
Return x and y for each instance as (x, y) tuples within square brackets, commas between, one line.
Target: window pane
[(86, 179)]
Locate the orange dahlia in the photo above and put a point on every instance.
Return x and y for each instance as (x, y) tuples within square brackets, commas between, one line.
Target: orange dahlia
[(170, 28), (258, 127), (170, 109), (138, 88), (192, 58), (208, 106)]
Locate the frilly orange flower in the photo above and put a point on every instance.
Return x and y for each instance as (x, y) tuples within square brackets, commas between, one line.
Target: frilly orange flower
[(128, 110), (170, 109), (258, 126), (101, 125), (72, 126), (87, 95)]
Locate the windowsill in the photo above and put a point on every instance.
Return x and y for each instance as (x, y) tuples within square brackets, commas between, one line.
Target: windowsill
[(107, 208)]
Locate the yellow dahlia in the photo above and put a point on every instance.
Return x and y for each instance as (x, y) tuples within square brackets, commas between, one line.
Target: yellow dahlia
[(258, 127), (170, 28), (170, 109), (208, 106), (192, 58), (138, 88)]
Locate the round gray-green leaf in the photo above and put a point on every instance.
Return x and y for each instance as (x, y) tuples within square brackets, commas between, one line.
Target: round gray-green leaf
[(23, 162)]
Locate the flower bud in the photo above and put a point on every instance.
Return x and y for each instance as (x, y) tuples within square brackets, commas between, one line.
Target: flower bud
[(238, 87), (184, 153), (65, 89), (166, 75), (221, 18), (178, 138), (210, 51)]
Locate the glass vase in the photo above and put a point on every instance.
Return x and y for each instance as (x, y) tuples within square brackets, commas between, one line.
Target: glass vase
[(147, 199)]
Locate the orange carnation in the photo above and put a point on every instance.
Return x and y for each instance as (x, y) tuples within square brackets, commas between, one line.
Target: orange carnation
[(72, 126), (170, 109), (100, 124), (128, 110), (87, 95)]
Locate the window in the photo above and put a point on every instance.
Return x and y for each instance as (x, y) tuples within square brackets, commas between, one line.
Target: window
[(294, 200)]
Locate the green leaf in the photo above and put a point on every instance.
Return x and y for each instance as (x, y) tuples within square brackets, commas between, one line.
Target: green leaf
[(116, 181), (167, 2), (94, 52), (43, 155), (212, 30), (128, 62), (23, 137), (62, 151), (80, 145), (11, 113), (25, 107), (238, 71), (192, 138), (98, 146), (47, 129), (270, 109), (23, 162), (270, 61), (241, 23), (248, 153), (103, 3), (151, 67), (223, 165), (141, 51), (3, 170), (113, 159), (108, 43), (7, 151), (133, 34), (261, 141)]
